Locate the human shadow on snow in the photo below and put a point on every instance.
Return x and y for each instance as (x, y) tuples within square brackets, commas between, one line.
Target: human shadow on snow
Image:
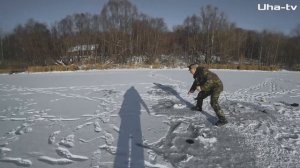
[(128, 154)]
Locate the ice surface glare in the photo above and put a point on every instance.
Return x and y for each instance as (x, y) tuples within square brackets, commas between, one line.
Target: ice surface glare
[(141, 118)]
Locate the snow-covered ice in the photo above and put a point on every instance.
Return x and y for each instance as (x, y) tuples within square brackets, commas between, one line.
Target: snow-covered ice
[(142, 118)]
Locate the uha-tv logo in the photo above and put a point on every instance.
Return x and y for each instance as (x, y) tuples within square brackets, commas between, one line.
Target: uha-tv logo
[(270, 7)]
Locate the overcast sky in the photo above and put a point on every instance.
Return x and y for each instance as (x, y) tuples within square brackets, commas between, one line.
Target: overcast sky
[(243, 13)]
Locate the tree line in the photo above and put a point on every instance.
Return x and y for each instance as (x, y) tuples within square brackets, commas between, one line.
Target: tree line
[(120, 34)]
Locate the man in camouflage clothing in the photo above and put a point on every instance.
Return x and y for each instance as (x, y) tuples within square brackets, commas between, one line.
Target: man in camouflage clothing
[(210, 85)]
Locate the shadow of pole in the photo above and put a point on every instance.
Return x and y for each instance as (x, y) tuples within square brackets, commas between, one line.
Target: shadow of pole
[(170, 90), (128, 153)]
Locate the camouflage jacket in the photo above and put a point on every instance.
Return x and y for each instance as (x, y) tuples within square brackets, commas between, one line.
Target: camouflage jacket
[(206, 79)]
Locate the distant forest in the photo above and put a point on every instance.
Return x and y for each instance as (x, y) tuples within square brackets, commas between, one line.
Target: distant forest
[(120, 34)]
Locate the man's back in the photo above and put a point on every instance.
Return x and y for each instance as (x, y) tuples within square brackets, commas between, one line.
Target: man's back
[(212, 81)]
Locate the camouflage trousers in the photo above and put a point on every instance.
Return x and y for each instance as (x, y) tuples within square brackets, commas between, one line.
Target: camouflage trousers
[(215, 94)]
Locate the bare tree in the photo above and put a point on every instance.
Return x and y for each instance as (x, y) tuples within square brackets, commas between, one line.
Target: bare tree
[(122, 33), (212, 21), (118, 15), (1, 46), (296, 30), (33, 42)]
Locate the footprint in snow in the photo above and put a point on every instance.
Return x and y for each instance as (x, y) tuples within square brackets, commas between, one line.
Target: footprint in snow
[(97, 126), (63, 152), (54, 161), (52, 137), (68, 141), (17, 161)]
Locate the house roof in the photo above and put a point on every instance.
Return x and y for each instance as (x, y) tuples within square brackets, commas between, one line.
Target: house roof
[(84, 47)]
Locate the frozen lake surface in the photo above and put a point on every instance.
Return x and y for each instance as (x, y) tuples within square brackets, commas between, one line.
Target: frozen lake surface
[(141, 118)]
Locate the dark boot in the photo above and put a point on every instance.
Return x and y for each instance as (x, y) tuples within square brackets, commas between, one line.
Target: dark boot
[(222, 121), (196, 108)]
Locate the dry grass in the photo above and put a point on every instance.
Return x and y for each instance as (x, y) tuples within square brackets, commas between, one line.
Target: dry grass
[(121, 66), (74, 67), (242, 67), (5, 71), (52, 68)]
